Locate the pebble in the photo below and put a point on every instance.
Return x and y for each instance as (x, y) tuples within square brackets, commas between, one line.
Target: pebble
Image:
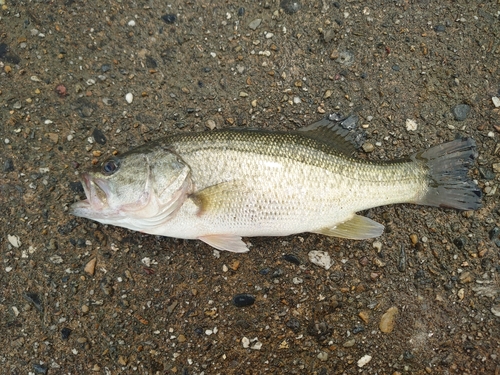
[(365, 317), (131, 23), (461, 111), (411, 125), (35, 300), (364, 360), (85, 309), (496, 101), (40, 369), (440, 28), (345, 58), (495, 309), (386, 324), (14, 240), (290, 6), (90, 266), (297, 100), (65, 332), (320, 258), (243, 300), (414, 238), (169, 18), (323, 356), (292, 259), (98, 136), (8, 166), (129, 97), (243, 94), (255, 23), (368, 147), (349, 343)]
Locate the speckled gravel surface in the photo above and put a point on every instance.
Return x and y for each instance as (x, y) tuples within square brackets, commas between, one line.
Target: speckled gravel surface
[(81, 80)]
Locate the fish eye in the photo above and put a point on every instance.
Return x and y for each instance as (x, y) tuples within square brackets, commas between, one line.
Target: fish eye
[(110, 166)]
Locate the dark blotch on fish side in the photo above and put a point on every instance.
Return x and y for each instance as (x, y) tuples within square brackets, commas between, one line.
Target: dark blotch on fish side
[(34, 299), (65, 332), (169, 18), (99, 136), (292, 259), (243, 300)]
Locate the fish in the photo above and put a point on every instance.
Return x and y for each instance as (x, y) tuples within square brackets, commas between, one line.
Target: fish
[(223, 185)]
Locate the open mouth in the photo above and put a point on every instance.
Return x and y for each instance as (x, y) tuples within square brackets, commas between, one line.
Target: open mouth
[(96, 192)]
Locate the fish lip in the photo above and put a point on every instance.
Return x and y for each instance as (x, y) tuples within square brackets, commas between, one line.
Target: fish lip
[(96, 192)]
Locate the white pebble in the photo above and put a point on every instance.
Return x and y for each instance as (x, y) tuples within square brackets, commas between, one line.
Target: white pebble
[(7, 141), (297, 280), (377, 245), (411, 125), (496, 101), (364, 360), (129, 97), (297, 100), (245, 342), (69, 137), (131, 23), (14, 240), (320, 258), (269, 35), (491, 134)]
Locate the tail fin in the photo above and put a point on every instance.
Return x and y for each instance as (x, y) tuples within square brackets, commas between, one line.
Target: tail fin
[(448, 166)]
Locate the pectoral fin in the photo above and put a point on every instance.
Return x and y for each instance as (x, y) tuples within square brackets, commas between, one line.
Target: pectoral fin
[(357, 228), (227, 242), (219, 197)]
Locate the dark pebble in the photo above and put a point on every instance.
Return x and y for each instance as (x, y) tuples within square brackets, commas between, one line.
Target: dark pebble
[(486, 264), (190, 110), (199, 331), (76, 187), (364, 75), (336, 4), (290, 6), (493, 233), (169, 18), (402, 259), (395, 68), (207, 70), (99, 136), (487, 173), (34, 299), (292, 259), (277, 273), (265, 271), (358, 329), (293, 324), (105, 68), (241, 12), (151, 63), (461, 111), (6, 56), (440, 28), (65, 332), (8, 165), (40, 369), (497, 242), (460, 242), (242, 300), (407, 355)]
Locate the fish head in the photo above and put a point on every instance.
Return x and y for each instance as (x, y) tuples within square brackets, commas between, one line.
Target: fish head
[(138, 189)]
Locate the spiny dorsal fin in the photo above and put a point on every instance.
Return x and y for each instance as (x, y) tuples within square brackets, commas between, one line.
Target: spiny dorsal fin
[(340, 133)]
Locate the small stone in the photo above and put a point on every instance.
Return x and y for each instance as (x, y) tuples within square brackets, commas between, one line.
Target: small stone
[(386, 324), (368, 147), (411, 125), (292, 259), (40, 369), (98, 136), (8, 166), (496, 101), (35, 300), (323, 356), (96, 368), (461, 294), (181, 338), (364, 360), (414, 238), (234, 265), (327, 94), (243, 94), (122, 360), (245, 342), (243, 300), (255, 23), (85, 309), (129, 97), (211, 124), (169, 18), (131, 23), (461, 111), (14, 240), (290, 6), (460, 242), (377, 245), (349, 343), (365, 317), (465, 277), (495, 309), (440, 28), (65, 332), (297, 100), (284, 345), (320, 258), (90, 266)]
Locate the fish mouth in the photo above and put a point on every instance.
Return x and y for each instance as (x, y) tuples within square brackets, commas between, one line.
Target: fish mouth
[(96, 191)]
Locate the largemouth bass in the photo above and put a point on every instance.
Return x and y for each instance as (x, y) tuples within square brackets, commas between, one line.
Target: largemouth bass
[(219, 186)]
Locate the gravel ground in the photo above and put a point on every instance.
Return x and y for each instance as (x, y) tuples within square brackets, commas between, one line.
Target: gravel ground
[(81, 80)]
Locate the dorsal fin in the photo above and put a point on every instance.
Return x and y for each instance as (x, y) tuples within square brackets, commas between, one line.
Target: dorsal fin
[(338, 132)]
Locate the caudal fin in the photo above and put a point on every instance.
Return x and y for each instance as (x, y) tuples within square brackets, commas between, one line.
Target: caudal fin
[(448, 166)]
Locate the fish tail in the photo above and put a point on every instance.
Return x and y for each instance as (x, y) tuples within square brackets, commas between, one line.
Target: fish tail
[(447, 167)]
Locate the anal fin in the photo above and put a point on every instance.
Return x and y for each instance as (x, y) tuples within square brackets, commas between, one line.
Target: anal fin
[(356, 228), (226, 242)]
